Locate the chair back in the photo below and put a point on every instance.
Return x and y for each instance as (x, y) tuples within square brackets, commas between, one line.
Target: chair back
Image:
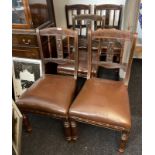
[(109, 38), (112, 14), (73, 10), (57, 35), (83, 21)]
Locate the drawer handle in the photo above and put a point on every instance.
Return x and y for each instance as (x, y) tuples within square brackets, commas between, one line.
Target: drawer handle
[(26, 43)]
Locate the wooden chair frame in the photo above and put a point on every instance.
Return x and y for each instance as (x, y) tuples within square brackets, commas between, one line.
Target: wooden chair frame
[(113, 34), (107, 8), (78, 8), (58, 33)]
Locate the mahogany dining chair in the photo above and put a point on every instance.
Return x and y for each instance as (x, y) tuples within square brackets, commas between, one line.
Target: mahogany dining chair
[(103, 102), (52, 95)]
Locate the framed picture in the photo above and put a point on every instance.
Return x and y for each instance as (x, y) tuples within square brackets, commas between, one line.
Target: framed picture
[(25, 73), (17, 119)]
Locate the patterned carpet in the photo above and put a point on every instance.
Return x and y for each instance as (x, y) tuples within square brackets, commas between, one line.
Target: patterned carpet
[(47, 136)]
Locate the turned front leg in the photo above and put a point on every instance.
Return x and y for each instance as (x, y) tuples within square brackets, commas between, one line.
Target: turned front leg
[(67, 130), (26, 123), (74, 130), (124, 140)]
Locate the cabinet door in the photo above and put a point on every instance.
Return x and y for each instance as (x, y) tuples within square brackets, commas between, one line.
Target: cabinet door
[(41, 12), (21, 17)]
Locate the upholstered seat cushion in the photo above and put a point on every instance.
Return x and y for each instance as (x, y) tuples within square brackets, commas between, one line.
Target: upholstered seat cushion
[(102, 102), (50, 94)]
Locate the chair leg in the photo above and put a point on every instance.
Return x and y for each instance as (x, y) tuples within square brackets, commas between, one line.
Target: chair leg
[(26, 123), (74, 130), (124, 140), (67, 130)]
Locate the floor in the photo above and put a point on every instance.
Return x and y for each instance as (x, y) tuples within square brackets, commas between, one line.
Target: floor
[(47, 136)]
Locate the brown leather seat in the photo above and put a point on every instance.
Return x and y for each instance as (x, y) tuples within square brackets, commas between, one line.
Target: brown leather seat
[(51, 94), (103, 102)]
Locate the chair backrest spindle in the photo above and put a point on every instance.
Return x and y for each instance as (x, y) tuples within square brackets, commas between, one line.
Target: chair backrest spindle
[(59, 58), (49, 47), (112, 36), (76, 9), (112, 19)]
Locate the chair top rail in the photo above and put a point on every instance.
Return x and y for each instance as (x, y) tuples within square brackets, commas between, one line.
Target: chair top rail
[(78, 6), (111, 33), (57, 31), (108, 6)]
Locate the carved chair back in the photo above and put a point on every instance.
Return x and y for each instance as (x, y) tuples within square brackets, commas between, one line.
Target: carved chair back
[(58, 34), (73, 10), (109, 37), (112, 14)]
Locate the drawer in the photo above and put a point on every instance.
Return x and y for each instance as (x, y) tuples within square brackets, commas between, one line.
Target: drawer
[(24, 40), (26, 53)]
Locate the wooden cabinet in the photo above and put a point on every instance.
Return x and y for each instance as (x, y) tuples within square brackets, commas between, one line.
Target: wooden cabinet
[(21, 17), (24, 40), (27, 16)]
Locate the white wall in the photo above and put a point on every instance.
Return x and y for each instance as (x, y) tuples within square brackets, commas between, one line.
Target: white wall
[(131, 14), (59, 7)]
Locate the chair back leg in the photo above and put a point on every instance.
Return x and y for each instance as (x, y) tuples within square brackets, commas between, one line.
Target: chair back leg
[(124, 140)]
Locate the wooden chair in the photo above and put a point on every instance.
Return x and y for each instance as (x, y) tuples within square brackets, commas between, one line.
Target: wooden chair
[(102, 102), (73, 10), (112, 14), (52, 94), (81, 22)]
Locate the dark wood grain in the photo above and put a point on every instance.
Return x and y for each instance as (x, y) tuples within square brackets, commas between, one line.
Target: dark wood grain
[(108, 8), (113, 36), (24, 39), (78, 8), (59, 58)]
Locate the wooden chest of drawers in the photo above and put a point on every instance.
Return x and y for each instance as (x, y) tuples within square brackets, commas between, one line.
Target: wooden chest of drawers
[(24, 40), (24, 44), (26, 52), (27, 17)]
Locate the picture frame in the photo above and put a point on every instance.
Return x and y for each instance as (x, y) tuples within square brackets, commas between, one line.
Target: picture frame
[(17, 120), (25, 73)]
